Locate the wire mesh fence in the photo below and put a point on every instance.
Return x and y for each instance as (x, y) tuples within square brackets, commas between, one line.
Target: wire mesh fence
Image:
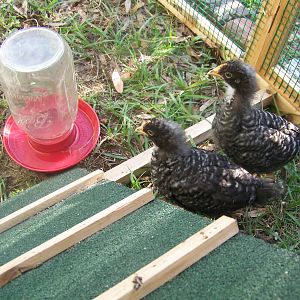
[(227, 23), (263, 32), (282, 61)]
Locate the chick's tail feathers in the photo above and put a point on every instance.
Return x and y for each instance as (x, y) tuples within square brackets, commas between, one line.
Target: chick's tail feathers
[(270, 190)]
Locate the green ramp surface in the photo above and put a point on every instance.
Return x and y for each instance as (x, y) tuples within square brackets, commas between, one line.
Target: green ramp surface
[(40, 190), (58, 218), (242, 268)]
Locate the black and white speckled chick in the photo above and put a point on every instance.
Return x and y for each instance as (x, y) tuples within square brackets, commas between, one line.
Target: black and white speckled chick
[(257, 140), (197, 179)]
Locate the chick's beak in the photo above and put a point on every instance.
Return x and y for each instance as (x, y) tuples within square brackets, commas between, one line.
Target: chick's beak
[(216, 71), (140, 129)]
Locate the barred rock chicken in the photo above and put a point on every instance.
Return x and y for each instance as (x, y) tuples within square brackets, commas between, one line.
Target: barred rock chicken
[(257, 140), (197, 179)]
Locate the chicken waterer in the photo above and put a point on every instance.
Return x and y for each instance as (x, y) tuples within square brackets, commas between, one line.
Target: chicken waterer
[(49, 128)]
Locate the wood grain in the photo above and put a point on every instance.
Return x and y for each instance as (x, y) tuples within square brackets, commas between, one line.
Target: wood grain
[(170, 264), (66, 191)]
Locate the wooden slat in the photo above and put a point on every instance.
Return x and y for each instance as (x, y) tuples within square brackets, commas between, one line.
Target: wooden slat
[(198, 132), (121, 173), (173, 262), (263, 98), (264, 34), (277, 18), (70, 237), (49, 200), (273, 30), (288, 107), (262, 83)]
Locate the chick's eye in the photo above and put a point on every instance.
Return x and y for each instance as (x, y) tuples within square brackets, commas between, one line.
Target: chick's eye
[(150, 132), (228, 75)]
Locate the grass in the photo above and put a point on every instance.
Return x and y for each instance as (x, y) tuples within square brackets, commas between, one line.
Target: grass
[(252, 4), (163, 66), (3, 196), (148, 45), (280, 222)]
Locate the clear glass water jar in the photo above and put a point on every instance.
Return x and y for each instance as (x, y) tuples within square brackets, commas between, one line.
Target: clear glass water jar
[(37, 77)]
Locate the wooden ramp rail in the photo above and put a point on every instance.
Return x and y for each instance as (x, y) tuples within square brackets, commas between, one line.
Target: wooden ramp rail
[(49, 200), (173, 262), (75, 234)]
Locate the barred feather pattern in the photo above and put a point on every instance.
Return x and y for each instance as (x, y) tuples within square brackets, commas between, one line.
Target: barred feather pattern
[(203, 181), (257, 140)]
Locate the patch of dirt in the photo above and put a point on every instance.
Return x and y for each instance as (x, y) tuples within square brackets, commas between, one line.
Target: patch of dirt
[(15, 177)]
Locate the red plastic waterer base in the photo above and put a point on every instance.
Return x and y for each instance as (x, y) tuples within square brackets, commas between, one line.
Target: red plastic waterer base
[(83, 139)]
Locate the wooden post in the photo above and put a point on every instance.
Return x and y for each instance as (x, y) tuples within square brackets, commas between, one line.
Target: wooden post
[(266, 47), (264, 33), (273, 16)]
